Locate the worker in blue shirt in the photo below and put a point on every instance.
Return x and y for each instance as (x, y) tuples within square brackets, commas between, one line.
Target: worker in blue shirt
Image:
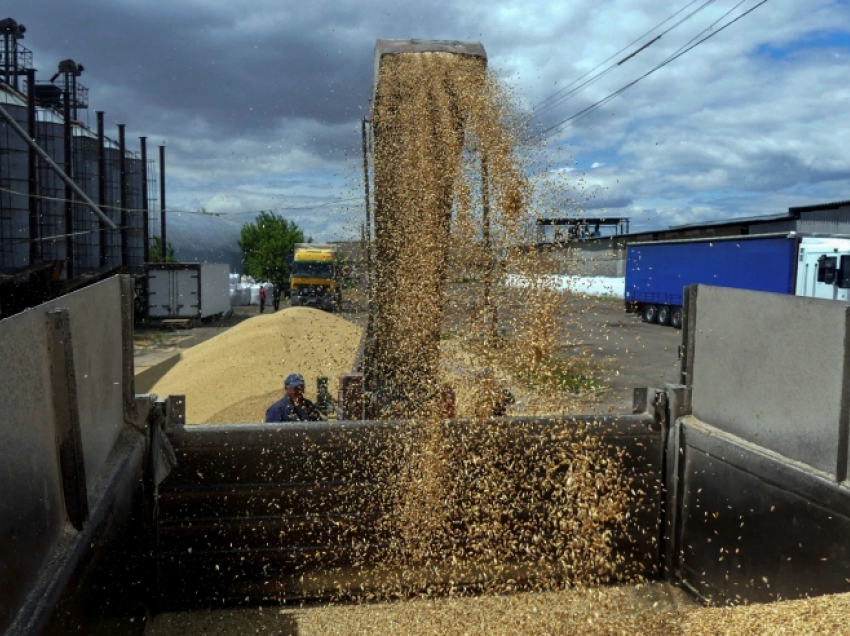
[(293, 407)]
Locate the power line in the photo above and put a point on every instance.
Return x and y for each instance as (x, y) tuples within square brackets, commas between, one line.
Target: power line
[(561, 98), (710, 26), (179, 211), (57, 237), (593, 107), (558, 92)]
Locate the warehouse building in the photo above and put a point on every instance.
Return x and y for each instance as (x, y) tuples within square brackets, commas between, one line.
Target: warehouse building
[(823, 218), (594, 255)]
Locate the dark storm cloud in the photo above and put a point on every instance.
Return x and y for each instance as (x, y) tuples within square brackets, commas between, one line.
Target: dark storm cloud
[(239, 73)]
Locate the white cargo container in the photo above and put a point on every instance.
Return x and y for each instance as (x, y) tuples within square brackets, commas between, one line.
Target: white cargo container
[(188, 290)]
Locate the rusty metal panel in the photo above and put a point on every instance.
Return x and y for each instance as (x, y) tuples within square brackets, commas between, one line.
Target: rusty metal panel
[(97, 329), (35, 400), (97, 580), (67, 423)]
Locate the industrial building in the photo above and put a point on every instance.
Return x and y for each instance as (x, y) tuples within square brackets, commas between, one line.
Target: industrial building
[(595, 254), (823, 218), (51, 239)]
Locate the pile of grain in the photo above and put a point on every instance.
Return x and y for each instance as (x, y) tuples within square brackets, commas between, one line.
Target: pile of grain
[(236, 376)]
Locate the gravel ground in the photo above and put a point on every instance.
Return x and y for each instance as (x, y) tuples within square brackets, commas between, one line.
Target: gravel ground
[(630, 353)]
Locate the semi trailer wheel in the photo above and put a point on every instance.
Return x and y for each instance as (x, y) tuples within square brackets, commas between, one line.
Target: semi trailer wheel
[(676, 318), (650, 313), (663, 315)]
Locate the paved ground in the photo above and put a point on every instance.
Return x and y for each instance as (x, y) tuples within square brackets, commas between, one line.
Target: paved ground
[(627, 352)]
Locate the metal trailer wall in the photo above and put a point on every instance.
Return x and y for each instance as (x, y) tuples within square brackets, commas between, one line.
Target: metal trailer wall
[(293, 511), (14, 202), (757, 459), (214, 288), (70, 461), (658, 272)]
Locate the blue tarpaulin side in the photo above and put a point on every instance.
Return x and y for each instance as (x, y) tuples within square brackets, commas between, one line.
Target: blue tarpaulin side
[(657, 272)]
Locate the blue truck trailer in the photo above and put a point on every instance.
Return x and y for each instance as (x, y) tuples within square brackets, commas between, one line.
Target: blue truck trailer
[(789, 263)]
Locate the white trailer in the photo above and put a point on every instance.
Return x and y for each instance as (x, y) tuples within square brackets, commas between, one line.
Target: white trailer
[(187, 290)]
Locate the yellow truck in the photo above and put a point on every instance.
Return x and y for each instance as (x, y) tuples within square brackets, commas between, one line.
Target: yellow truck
[(314, 280)]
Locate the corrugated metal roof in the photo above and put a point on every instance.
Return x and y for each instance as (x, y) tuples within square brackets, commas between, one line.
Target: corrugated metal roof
[(733, 221), (819, 206)]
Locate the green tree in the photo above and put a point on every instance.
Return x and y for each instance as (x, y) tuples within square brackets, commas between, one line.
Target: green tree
[(266, 243), (155, 251)]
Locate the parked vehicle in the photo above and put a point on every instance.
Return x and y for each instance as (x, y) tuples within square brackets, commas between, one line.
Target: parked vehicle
[(187, 290), (811, 266), (314, 277)]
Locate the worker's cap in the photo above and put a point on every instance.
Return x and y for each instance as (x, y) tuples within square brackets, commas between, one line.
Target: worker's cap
[(293, 380)]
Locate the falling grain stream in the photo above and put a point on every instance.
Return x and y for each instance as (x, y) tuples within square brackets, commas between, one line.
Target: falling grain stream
[(421, 524)]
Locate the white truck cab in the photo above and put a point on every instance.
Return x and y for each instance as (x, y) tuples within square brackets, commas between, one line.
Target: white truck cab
[(823, 268)]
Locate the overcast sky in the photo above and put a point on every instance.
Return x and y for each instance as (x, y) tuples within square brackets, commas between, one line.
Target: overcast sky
[(259, 102)]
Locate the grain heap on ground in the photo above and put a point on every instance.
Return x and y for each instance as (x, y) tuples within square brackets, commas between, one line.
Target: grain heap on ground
[(236, 376)]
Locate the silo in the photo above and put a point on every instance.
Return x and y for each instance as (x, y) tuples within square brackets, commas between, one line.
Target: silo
[(14, 188), (135, 214), (51, 189), (86, 224), (112, 202)]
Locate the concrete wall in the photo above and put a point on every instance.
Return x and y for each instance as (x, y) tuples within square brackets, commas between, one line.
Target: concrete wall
[(599, 257), (774, 370), (32, 508)]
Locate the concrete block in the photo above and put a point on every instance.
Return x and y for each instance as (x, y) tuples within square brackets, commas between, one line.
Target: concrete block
[(773, 370)]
